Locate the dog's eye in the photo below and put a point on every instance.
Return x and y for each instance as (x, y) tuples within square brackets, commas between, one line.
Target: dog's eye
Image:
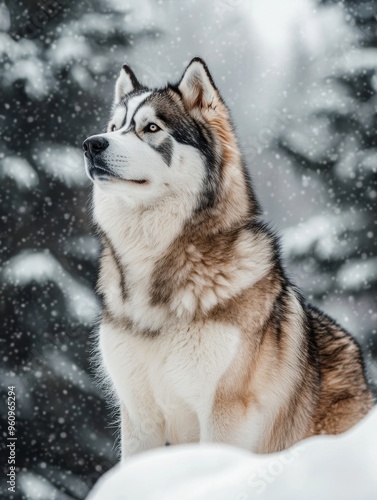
[(152, 127), (112, 128)]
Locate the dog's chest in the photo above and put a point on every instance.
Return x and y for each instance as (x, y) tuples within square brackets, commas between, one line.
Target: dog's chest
[(191, 359), (180, 369)]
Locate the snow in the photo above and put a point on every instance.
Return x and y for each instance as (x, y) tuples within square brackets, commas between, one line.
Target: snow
[(321, 233), (4, 18), (323, 467), (355, 159), (356, 274), (82, 76), (16, 50), (85, 247), (35, 74), (68, 49), (37, 487), (70, 372), (20, 171), (321, 141), (357, 60), (28, 266), (62, 162)]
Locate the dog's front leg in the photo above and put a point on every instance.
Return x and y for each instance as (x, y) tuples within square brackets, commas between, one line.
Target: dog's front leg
[(141, 431), (209, 430), (220, 425)]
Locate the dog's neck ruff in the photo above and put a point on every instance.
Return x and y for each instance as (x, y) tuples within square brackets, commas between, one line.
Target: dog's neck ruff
[(179, 264)]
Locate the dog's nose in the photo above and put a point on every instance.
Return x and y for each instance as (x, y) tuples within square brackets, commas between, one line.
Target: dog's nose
[(94, 145)]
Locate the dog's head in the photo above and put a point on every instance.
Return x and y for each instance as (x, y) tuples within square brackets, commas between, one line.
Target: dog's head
[(163, 142)]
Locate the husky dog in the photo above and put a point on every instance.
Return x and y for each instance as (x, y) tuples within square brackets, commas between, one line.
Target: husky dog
[(202, 335)]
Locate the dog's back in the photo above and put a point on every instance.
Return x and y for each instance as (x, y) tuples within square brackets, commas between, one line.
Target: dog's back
[(345, 395)]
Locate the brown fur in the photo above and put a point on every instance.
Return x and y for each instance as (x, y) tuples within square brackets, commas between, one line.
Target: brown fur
[(345, 394)]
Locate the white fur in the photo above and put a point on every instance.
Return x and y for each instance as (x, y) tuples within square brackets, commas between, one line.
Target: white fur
[(161, 384), (118, 116), (196, 79), (123, 86)]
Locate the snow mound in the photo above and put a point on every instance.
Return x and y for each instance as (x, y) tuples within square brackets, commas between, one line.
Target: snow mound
[(338, 467)]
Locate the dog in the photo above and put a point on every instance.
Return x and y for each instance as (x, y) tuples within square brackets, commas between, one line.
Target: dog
[(203, 337)]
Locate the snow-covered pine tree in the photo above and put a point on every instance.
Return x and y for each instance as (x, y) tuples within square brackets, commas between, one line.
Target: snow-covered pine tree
[(334, 253), (58, 62)]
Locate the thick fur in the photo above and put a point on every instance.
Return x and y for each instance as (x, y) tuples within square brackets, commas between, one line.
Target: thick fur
[(202, 335)]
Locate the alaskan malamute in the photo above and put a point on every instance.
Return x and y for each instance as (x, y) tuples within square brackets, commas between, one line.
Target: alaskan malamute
[(202, 335)]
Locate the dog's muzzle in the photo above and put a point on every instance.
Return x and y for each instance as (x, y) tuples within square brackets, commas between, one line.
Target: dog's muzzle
[(93, 147)]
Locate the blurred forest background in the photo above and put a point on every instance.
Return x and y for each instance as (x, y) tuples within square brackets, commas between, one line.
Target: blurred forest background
[(300, 79)]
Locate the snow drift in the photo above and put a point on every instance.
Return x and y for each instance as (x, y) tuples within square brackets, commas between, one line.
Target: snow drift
[(338, 467)]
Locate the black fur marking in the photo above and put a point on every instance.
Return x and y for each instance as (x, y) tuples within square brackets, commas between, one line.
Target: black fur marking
[(254, 207), (166, 150), (195, 134), (120, 268), (135, 83), (125, 118), (125, 323), (129, 130), (312, 348), (278, 313)]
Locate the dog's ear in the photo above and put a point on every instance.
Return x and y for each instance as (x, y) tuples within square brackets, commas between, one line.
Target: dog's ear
[(126, 83), (197, 87)]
